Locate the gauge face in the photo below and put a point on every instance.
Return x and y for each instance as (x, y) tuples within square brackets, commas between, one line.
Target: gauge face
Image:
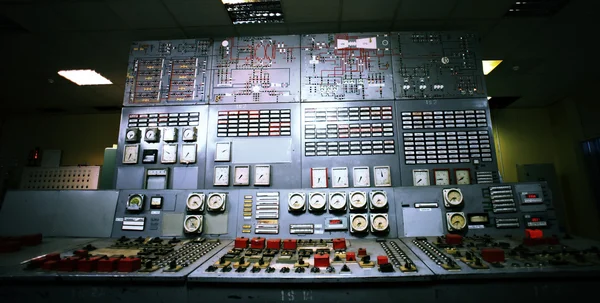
[(223, 152), (453, 197), (339, 177), (195, 202), (193, 224), (296, 202), (457, 221), (420, 177), (221, 177), (262, 175), (358, 200), (188, 153), (189, 134), (135, 202), (337, 201), (318, 177), (130, 155), (170, 134), (463, 176), (358, 223), (379, 223), (378, 200), (317, 201), (216, 202), (131, 135), (169, 154), (382, 176), (442, 177), (151, 135), (241, 175), (361, 176)]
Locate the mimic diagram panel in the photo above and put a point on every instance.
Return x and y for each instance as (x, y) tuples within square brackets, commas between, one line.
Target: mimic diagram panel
[(341, 67), (253, 145), (256, 69), (351, 144), (433, 65), (162, 147), (165, 72), (446, 142)]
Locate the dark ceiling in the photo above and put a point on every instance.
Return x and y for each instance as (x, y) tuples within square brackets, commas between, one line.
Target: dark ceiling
[(545, 58)]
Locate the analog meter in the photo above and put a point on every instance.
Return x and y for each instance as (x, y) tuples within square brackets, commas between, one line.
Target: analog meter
[(456, 221), (216, 202), (296, 202), (441, 176), (379, 200), (135, 202), (195, 202), (316, 201), (358, 223), (358, 200), (193, 224), (379, 223), (337, 201), (453, 197)]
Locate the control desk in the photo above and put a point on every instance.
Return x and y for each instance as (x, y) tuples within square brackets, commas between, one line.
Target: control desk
[(325, 167)]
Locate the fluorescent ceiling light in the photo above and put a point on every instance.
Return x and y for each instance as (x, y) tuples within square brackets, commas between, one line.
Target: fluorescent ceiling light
[(489, 65), (84, 77), (489, 98)]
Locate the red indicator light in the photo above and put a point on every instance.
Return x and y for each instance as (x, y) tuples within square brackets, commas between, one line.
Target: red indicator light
[(535, 220), (335, 221), (531, 196)]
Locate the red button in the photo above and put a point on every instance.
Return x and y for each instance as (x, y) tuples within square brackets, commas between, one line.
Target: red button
[(453, 239), (492, 255), (107, 265), (88, 264), (129, 264), (67, 264), (81, 253), (339, 244), (241, 242), (274, 244), (257, 243), (322, 260), (534, 233), (362, 252), (289, 244), (50, 265), (350, 256), (381, 260)]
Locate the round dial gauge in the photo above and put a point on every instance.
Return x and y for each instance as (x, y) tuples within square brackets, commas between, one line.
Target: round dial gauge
[(195, 202), (192, 224), (317, 201), (454, 197), (337, 201), (135, 202), (379, 223), (379, 200), (359, 223), (296, 202), (131, 135), (188, 133), (358, 199), (215, 202), (150, 134), (457, 221)]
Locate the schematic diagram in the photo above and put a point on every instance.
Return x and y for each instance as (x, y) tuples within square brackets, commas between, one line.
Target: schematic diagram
[(163, 72), (256, 69), (339, 67), (433, 65)]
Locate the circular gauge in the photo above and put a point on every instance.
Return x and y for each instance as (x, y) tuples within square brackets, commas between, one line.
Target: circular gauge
[(317, 201), (135, 202), (195, 202), (358, 199), (130, 135), (337, 201), (453, 197), (379, 200), (296, 202), (192, 224), (359, 223), (150, 134), (188, 133), (215, 202), (379, 223), (457, 221)]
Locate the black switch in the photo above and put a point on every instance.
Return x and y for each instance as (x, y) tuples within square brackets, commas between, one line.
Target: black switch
[(315, 270), (149, 264), (255, 269), (458, 254), (337, 258), (468, 256), (270, 269), (301, 261), (222, 260), (174, 240), (478, 262), (240, 269), (173, 264), (261, 261), (330, 269), (242, 261), (285, 269), (366, 259), (211, 268), (388, 267), (227, 269), (345, 268), (300, 269)]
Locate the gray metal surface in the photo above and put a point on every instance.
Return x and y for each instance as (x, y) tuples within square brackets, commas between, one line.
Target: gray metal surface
[(356, 272), (58, 213), (255, 69)]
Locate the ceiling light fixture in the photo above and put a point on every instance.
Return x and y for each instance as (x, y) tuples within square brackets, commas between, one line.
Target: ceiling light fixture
[(254, 11), (489, 65), (489, 98), (84, 77)]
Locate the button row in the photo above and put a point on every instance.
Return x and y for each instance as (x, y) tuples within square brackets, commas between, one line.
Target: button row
[(311, 131), (163, 119), (349, 148), (444, 119), (446, 147), (348, 113), (253, 123)]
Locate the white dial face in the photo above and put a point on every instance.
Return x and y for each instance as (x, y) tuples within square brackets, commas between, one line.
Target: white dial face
[(420, 177), (188, 153), (215, 202), (379, 200), (170, 134), (337, 201), (456, 221), (296, 201), (358, 200), (382, 176), (463, 176), (453, 197), (262, 175), (318, 177), (131, 135), (359, 223), (223, 152), (169, 154), (241, 175), (221, 177), (339, 177), (442, 177), (151, 134), (379, 222), (130, 156), (195, 202), (361, 177), (189, 134), (317, 201), (193, 224)]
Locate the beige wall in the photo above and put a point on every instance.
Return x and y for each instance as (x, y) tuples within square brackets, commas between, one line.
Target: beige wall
[(82, 138)]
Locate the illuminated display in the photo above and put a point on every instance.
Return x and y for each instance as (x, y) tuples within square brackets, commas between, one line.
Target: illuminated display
[(531, 196)]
